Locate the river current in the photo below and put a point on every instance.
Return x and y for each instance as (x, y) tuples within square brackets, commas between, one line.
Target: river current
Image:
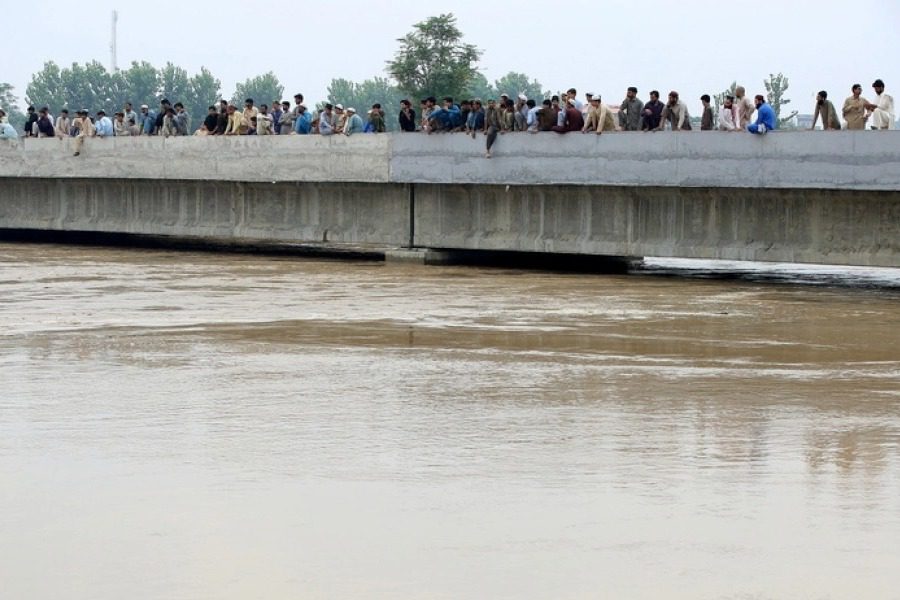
[(213, 426)]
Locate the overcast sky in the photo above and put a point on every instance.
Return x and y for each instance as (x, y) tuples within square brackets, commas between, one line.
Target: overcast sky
[(600, 45)]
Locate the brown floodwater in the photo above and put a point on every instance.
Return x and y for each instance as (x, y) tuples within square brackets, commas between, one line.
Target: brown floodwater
[(214, 426)]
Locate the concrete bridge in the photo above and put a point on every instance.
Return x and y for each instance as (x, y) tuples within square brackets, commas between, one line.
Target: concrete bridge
[(816, 197)]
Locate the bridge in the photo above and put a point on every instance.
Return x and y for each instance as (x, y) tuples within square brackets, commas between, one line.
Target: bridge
[(808, 197)]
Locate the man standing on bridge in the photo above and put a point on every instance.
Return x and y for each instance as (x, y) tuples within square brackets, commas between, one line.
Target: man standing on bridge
[(630, 111)]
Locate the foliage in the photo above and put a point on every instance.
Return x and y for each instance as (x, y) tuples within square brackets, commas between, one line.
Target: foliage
[(10, 103), (92, 87), (514, 84), (480, 87), (362, 96), (776, 86), (262, 89), (205, 90), (433, 60)]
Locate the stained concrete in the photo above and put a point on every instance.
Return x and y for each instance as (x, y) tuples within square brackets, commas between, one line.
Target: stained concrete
[(821, 197)]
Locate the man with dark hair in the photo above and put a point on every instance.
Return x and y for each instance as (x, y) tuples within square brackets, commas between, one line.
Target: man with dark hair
[(546, 116), (728, 119), (676, 113), (31, 122), (164, 106), (249, 113), (855, 109), (407, 116), (651, 116), (211, 122), (44, 124), (276, 116), (765, 117), (327, 120), (744, 105), (492, 125), (182, 120), (447, 117), (63, 124), (882, 109), (475, 119), (707, 121), (630, 111), (825, 108)]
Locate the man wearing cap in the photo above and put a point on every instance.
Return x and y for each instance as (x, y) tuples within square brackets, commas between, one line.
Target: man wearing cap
[(353, 123), (574, 120), (676, 113), (854, 110), (882, 109), (825, 108), (147, 120), (340, 118), (630, 111), (600, 118), (103, 126)]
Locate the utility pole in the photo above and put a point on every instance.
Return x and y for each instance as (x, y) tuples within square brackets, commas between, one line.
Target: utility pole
[(112, 43)]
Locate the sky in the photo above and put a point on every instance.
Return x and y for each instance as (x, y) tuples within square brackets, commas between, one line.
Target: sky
[(690, 46)]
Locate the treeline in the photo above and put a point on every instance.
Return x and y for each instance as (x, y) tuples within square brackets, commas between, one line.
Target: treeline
[(93, 87)]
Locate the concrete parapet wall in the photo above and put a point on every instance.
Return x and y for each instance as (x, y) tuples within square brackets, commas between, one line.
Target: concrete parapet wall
[(313, 158), (851, 160), (860, 160)]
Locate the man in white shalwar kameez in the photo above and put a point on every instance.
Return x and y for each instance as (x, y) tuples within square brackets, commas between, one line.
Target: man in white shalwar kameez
[(882, 109)]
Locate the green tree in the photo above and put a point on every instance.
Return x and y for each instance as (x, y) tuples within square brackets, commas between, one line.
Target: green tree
[(776, 86), (262, 88), (514, 84), (362, 96), (205, 90), (10, 103), (480, 87), (141, 84), (174, 84), (433, 60)]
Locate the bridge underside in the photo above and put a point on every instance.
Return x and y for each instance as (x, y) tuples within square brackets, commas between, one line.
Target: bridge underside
[(842, 227)]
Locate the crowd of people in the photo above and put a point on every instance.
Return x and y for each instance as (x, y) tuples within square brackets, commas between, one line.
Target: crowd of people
[(564, 113)]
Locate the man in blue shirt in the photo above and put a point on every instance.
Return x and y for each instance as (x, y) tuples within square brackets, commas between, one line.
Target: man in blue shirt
[(103, 126), (765, 117), (8, 132)]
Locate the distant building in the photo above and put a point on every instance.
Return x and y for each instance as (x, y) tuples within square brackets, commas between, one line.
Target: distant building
[(804, 121)]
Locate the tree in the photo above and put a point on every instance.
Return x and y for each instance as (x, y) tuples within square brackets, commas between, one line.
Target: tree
[(480, 87), (433, 60), (362, 96), (174, 84), (205, 90), (262, 88), (10, 103), (47, 87), (141, 83), (776, 86), (514, 84)]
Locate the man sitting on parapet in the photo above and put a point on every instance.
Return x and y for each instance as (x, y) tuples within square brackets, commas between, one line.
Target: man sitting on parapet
[(765, 117), (600, 118), (572, 119), (446, 118), (651, 116), (882, 109), (353, 123), (235, 122), (676, 113), (7, 131)]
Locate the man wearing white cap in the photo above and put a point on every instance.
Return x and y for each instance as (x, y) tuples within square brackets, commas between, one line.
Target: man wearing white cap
[(147, 120), (353, 123)]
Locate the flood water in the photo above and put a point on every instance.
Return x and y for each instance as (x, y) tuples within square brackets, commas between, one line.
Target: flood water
[(214, 426)]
